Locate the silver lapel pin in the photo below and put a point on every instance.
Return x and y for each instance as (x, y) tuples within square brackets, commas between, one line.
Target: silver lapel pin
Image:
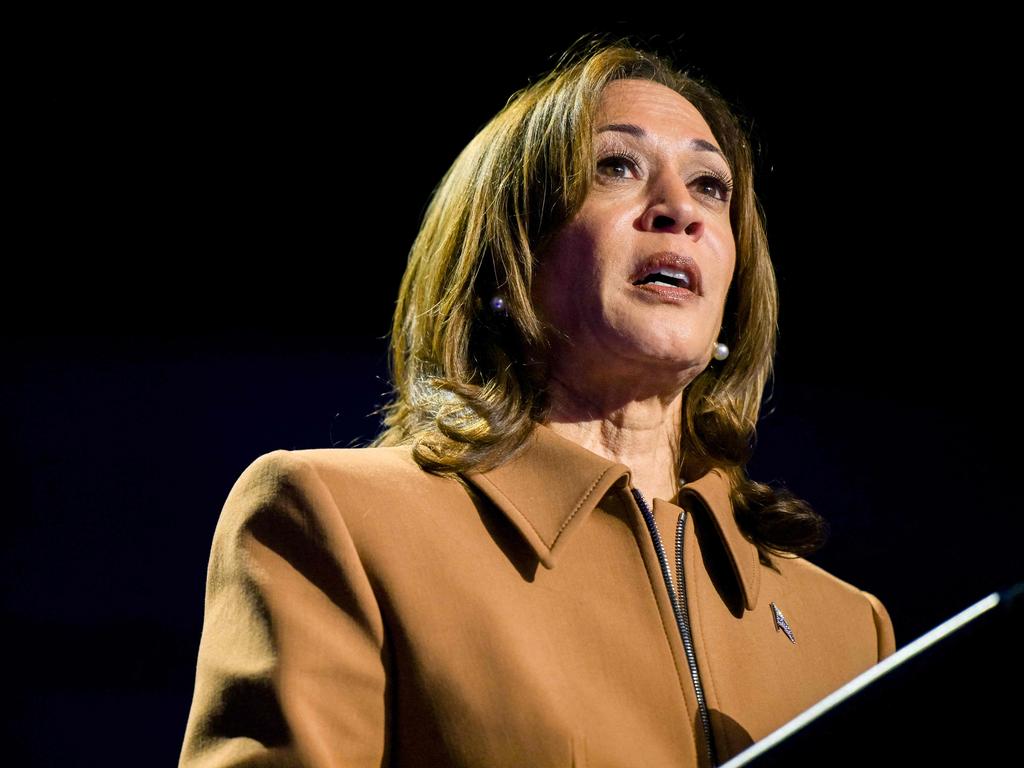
[(780, 622)]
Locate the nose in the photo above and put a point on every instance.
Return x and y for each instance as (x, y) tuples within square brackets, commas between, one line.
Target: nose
[(673, 208)]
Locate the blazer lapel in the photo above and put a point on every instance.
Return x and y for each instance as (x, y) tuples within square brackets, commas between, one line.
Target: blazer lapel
[(550, 488), (713, 491)]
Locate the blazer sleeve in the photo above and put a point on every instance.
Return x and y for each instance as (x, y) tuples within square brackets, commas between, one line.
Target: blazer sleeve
[(883, 627), (291, 667)]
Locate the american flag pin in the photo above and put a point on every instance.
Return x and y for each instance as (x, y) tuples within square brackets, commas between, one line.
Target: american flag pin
[(780, 623)]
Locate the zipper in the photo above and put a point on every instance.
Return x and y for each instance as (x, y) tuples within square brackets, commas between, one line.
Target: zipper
[(678, 599)]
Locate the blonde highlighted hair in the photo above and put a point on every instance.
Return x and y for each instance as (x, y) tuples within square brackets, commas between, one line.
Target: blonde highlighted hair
[(468, 384)]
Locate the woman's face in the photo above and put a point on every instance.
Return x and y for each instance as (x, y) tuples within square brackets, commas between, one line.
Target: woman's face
[(659, 199)]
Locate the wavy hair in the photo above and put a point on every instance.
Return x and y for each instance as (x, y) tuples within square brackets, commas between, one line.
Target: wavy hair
[(468, 385)]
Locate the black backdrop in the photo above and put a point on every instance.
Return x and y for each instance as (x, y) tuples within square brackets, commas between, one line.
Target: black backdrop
[(210, 220)]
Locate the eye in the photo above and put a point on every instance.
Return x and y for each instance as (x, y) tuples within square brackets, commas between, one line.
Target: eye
[(720, 186), (619, 161)]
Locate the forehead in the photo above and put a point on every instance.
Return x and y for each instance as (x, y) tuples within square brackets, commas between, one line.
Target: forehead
[(654, 107)]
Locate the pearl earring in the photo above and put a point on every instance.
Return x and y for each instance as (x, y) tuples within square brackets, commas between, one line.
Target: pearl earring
[(721, 351), (498, 305)]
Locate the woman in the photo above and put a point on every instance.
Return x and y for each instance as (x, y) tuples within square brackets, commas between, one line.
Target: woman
[(552, 555)]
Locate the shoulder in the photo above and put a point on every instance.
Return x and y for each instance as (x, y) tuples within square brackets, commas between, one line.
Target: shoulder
[(372, 469), (814, 580), (282, 462), (837, 600), (803, 570), (361, 487)]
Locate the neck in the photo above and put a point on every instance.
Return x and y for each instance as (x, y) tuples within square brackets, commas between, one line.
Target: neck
[(637, 429)]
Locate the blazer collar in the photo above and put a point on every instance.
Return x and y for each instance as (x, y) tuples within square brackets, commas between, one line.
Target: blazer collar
[(550, 488)]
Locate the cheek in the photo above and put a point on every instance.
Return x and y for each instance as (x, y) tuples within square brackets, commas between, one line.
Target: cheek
[(602, 244), (569, 265), (724, 247), (606, 223)]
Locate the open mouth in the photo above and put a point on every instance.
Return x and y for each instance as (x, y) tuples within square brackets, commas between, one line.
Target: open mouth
[(668, 278)]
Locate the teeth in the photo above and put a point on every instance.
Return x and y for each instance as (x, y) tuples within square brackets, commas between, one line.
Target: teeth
[(677, 275)]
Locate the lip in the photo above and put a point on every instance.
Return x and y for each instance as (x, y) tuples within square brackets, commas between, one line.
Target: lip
[(674, 261)]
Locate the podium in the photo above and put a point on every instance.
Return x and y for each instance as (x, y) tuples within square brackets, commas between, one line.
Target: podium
[(953, 697)]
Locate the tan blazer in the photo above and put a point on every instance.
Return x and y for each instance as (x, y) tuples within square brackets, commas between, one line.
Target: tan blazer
[(363, 612)]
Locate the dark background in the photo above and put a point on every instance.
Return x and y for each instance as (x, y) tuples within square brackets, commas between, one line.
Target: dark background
[(210, 222)]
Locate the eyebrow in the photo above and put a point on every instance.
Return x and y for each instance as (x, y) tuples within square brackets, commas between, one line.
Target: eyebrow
[(640, 133)]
